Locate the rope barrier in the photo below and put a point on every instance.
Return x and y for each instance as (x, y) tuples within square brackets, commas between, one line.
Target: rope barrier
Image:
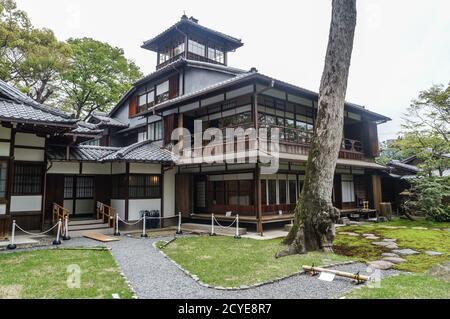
[(229, 226), (37, 234), (57, 241), (215, 221)]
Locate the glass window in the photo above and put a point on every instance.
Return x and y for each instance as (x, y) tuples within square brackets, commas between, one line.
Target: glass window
[(216, 55), (233, 192), (263, 192), (144, 186), (246, 193), (272, 188), (85, 187), (196, 48), (27, 179), (155, 131), (348, 189), (282, 191), (293, 192), (68, 187), (3, 178), (142, 136), (162, 92)]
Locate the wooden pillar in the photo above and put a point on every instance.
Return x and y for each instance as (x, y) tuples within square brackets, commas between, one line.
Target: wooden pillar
[(258, 204), (127, 191), (376, 191), (181, 133)]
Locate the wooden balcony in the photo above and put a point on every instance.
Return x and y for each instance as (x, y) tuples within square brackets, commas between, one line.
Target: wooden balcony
[(294, 141)]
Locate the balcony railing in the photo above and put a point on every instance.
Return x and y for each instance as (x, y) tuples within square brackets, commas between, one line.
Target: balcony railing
[(295, 141)]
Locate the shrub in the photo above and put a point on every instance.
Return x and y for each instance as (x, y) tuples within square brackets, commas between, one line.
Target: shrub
[(433, 197)]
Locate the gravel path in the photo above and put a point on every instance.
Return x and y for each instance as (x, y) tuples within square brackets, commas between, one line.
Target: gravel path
[(153, 276)]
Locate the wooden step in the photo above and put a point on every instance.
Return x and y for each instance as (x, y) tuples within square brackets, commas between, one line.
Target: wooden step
[(204, 228)]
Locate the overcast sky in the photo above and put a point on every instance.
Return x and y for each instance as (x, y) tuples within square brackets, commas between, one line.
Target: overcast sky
[(401, 47)]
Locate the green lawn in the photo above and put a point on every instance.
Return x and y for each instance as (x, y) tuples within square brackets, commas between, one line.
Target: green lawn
[(43, 274), (420, 240), (420, 222), (406, 286), (228, 262)]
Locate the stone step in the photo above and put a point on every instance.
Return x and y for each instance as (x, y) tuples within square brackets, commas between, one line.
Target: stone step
[(204, 228), (87, 227), (75, 222)]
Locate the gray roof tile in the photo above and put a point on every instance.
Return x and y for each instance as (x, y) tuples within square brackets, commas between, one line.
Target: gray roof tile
[(80, 153), (144, 151)]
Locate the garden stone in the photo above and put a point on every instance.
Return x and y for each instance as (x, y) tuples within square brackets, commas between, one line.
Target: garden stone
[(392, 246), (389, 255), (390, 240), (433, 253), (349, 234), (381, 243), (405, 252), (420, 228), (372, 237), (381, 264), (395, 260)]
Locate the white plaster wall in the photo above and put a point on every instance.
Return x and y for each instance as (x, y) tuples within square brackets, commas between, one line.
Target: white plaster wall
[(68, 204), (118, 168), (64, 168), (26, 203), (119, 205), (96, 168), (169, 193), (4, 149), (141, 168), (26, 139), (5, 133), (84, 206), (136, 205), (24, 154)]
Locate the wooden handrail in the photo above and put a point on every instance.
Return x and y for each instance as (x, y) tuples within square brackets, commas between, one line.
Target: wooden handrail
[(106, 211), (60, 213)]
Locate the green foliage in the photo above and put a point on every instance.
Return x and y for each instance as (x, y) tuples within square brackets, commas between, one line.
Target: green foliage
[(433, 195), (30, 59), (97, 76), (392, 150)]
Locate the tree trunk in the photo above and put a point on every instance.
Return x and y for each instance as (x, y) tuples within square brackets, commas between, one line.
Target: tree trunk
[(315, 215)]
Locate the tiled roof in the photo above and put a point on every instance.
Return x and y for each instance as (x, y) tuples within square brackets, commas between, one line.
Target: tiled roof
[(234, 43), (254, 74), (401, 165), (16, 106), (144, 151), (105, 120), (86, 128), (80, 153)]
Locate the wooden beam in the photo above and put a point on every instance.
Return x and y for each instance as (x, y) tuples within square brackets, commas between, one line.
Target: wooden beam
[(376, 192), (258, 202)]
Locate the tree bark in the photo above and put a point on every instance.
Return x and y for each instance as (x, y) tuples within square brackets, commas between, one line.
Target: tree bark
[(315, 215)]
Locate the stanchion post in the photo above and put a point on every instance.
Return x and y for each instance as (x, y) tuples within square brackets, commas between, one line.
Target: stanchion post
[(179, 232), (144, 233), (237, 236), (57, 241), (66, 228), (116, 226), (212, 226), (12, 245)]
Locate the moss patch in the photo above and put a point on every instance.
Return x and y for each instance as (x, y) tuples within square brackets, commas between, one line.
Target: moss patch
[(228, 262)]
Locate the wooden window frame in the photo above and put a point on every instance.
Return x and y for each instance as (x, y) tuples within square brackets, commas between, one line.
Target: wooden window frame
[(145, 185), (20, 192)]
